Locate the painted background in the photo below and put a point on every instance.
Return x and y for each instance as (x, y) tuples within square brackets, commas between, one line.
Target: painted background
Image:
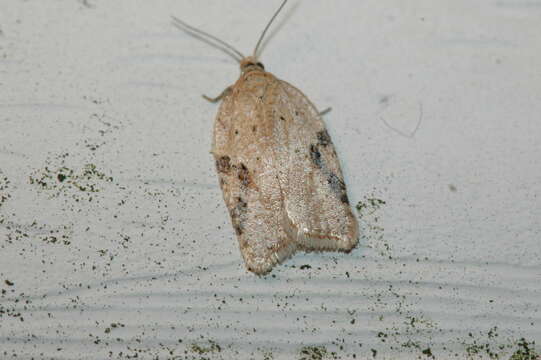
[(114, 239)]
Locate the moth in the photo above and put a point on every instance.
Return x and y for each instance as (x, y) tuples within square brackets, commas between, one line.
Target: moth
[(277, 166)]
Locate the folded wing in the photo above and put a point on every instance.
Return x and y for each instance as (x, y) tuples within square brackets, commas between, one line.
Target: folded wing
[(279, 174)]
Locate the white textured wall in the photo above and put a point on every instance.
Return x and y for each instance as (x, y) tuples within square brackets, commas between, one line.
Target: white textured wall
[(454, 250)]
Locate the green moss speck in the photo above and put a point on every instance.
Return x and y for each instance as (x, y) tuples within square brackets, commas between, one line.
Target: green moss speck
[(526, 351), (313, 353)]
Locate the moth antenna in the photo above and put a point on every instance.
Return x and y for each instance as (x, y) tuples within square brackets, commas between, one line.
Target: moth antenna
[(267, 28), (206, 37)]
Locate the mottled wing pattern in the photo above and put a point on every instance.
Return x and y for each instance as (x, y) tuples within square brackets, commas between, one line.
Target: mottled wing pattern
[(244, 149), (279, 173), (315, 197)]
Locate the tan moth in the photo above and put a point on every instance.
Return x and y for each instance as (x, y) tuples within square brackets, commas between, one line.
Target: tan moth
[(278, 169)]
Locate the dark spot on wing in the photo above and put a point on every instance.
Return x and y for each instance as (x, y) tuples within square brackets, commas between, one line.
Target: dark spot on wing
[(323, 138), (282, 118), (336, 183), (244, 175), (236, 132), (315, 155), (223, 164), (237, 215), (338, 187), (238, 229), (241, 204), (254, 128)]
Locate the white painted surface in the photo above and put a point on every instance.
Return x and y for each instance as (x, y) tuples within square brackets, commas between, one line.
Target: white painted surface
[(116, 86)]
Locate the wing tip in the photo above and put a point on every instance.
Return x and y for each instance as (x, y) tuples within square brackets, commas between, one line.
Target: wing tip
[(264, 265), (345, 244)]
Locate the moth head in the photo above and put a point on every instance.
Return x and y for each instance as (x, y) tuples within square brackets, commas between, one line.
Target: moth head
[(250, 63), (247, 63)]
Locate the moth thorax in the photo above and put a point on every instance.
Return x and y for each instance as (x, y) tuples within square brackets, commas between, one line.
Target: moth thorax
[(250, 63)]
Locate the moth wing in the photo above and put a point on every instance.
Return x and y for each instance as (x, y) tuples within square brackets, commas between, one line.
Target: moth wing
[(315, 198), (245, 148)]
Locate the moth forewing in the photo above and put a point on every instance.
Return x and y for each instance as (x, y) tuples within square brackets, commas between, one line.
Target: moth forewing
[(315, 195)]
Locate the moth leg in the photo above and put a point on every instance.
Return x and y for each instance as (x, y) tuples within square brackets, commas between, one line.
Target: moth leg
[(226, 91), (326, 111)]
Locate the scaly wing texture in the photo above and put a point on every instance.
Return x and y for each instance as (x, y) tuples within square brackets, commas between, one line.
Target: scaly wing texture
[(244, 149), (279, 174), (315, 197)]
